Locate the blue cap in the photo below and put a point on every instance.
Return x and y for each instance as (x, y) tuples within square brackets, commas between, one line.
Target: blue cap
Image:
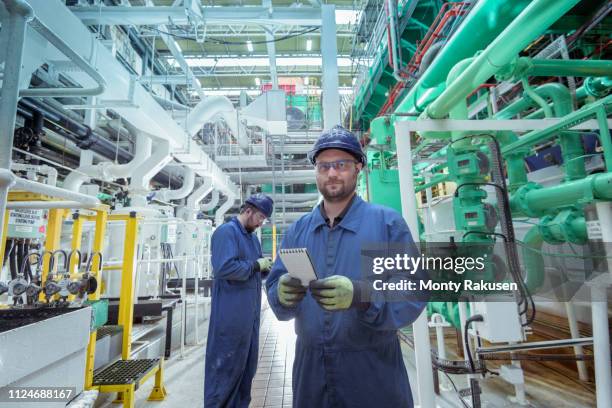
[(262, 202), (337, 138)]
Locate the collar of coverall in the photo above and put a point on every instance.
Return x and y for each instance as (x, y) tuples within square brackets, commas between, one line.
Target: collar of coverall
[(343, 219)]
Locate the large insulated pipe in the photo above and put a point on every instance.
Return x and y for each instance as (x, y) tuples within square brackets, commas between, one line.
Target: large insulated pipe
[(220, 213), (166, 195), (109, 171), (537, 17), (189, 211), (214, 200), (142, 175), (207, 109)]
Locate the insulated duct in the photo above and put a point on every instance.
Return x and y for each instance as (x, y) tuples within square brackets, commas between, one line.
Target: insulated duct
[(210, 107), (108, 171), (220, 213), (167, 195), (214, 200), (142, 175)]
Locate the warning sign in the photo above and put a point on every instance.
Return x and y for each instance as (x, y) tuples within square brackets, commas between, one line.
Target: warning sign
[(25, 223)]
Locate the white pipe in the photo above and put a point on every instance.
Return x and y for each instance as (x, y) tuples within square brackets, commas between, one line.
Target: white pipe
[(210, 107), (142, 175), (50, 172), (108, 171), (166, 194), (150, 116), (189, 211), (223, 209), (422, 345), (199, 194), (212, 203), (35, 187), (599, 311), (583, 374), (44, 205)]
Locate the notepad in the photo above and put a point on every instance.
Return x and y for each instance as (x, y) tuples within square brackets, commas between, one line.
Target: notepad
[(298, 264)]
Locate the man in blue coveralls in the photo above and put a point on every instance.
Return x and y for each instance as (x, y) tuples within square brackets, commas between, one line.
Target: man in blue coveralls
[(233, 331), (347, 351)]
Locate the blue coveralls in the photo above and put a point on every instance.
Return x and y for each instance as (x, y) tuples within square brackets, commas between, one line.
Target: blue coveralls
[(233, 331), (349, 358)]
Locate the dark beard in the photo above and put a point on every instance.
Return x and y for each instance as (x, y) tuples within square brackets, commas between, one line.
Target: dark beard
[(341, 194)]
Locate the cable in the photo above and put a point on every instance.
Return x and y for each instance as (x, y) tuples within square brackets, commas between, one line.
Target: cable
[(223, 42), (475, 318), (456, 390)]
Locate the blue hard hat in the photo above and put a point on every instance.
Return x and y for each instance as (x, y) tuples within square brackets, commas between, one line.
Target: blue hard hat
[(337, 138), (262, 202)]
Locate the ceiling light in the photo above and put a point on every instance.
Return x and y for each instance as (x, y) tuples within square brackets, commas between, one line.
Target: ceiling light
[(249, 46), (309, 45), (257, 81)]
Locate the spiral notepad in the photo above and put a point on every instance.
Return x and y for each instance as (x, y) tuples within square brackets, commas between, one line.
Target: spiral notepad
[(298, 264)]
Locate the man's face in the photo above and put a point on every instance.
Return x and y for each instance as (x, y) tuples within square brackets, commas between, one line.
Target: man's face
[(337, 173), (254, 220)]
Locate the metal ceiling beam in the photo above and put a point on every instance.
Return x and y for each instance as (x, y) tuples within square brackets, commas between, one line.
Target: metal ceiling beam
[(177, 53), (138, 15)]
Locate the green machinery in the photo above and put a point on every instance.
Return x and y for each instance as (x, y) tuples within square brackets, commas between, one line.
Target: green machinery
[(462, 66)]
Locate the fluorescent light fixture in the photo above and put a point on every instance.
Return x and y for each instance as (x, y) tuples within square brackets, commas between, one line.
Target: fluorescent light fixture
[(347, 16), (309, 45), (249, 46), (306, 79), (263, 62), (257, 81)]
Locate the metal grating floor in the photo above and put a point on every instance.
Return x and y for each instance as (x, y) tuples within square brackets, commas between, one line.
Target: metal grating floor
[(124, 372), (108, 330)]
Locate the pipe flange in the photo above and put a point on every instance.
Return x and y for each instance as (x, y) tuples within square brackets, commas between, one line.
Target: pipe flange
[(547, 223), (521, 198), (593, 90)]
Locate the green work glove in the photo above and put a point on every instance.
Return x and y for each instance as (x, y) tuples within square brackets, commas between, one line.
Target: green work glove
[(290, 291), (265, 264), (333, 293)]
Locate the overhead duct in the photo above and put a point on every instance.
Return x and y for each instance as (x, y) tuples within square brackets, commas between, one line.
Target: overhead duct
[(210, 107), (108, 171), (142, 175), (189, 211), (166, 194), (220, 213), (150, 116), (214, 200), (266, 177)]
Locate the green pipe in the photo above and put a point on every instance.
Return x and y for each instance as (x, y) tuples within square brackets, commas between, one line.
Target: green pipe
[(532, 257), (537, 136), (604, 136), (542, 200), (596, 87), (525, 66), (488, 18), (529, 91), (437, 179), (536, 18)]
